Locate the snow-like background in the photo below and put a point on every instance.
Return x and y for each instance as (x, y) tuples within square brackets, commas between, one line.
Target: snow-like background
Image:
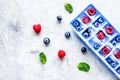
[(20, 46)]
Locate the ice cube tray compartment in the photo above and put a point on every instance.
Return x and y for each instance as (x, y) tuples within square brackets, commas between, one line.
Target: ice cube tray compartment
[(77, 25), (95, 43), (88, 32), (99, 22), (112, 62), (102, 36), (116, 40)]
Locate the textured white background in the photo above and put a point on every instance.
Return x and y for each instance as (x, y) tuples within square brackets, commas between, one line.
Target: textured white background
[(20, 46)]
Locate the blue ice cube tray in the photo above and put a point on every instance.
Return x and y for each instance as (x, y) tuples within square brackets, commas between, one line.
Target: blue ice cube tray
[(100, 36)]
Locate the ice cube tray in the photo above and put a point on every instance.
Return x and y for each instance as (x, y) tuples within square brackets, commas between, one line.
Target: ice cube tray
[(100, 35)]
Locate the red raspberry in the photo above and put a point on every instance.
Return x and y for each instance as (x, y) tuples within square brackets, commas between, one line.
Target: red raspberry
[(85, 19), (101, 35), (109, 30), (91, 11), (105, 50), (61, 54), (117, 55), (37, 28)]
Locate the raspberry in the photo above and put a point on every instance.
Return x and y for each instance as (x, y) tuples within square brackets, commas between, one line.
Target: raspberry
[(37, 28), (109, 30), (101, 35), (91, 11), (85, 19), (61, 54), (117, 55), (105, 50)]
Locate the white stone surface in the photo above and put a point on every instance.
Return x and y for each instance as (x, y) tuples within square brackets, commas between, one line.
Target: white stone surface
[(20, 46)]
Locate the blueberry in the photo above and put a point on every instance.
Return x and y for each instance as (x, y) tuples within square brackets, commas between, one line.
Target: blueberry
[(76, 24), (113, 64), (118, 70), (114, 43), (96, 45), (109, 60), (59, 18), (96, 24), (46, 40), (100, 20), (67, 34), (89, 30), (79, 28), (85, 34), (83, 49), (118, 39)]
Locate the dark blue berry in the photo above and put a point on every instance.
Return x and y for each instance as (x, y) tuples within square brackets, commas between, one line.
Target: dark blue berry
[(83, 49), (118, 70), (113, 64), (89, 30), (118, 39), (59, 18), (100, 20), (96, 24), (79, 28), (76, 24), (109, 60), (46, 40), (96, 45), (67, 34), (86, 34), (114, 43)]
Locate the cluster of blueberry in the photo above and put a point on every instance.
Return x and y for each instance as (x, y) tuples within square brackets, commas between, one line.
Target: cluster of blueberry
[(67, 34)]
